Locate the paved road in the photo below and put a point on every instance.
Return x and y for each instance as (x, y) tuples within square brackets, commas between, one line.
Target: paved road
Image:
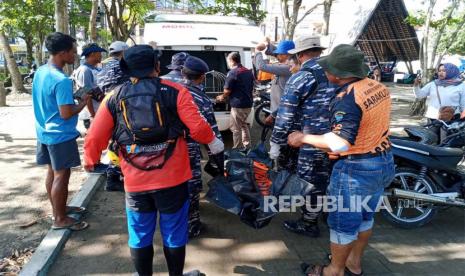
[(229, 247)]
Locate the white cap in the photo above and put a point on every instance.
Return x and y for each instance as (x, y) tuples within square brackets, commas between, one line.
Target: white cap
[(118, 46)]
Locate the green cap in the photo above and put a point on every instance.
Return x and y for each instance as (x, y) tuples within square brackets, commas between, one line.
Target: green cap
[(345, 61)]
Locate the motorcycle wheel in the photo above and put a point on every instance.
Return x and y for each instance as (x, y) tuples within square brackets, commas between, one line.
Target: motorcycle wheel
[(261, 112), (406, 213)]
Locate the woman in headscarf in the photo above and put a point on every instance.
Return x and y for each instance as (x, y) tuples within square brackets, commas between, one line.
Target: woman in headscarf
[(447, 90)]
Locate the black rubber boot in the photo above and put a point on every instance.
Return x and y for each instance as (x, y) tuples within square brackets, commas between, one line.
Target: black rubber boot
[(143, 260), (175, 257), (114, 180)]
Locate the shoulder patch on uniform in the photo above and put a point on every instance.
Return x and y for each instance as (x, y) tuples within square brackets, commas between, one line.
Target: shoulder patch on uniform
[(339, 115)]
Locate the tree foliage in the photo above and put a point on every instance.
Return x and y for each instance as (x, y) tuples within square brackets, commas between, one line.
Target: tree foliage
[(442, 34), (446, 31), (250, 9), (124, 15), (453, 41)]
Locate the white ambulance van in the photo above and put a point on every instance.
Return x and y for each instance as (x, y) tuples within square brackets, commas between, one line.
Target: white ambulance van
[(210, 38)]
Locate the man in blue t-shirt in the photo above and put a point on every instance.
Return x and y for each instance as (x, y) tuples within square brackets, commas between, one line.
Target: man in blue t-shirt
[(55, 119), (238, 87)]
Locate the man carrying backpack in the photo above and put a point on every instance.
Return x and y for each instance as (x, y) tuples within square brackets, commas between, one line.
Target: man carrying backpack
[(148, 119), (194, 70)]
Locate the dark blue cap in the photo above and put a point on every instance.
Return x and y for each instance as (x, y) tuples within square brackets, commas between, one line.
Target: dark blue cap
[(177, 61), (139, 61), (92, 48), (196, 64)]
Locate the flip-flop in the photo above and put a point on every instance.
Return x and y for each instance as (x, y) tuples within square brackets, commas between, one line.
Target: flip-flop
[(75, 210), (75, 226), (347, 271)]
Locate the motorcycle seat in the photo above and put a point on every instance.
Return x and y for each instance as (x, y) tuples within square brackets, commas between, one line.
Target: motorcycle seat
[(425, 135), (431, 150)]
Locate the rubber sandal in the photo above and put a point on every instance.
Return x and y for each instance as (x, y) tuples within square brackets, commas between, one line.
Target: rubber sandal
[(75, 226), (75, 210), (347, 271), (312, 270)]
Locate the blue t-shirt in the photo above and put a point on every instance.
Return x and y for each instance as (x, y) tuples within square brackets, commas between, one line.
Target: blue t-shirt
[(240, 81), (86, 76), (50, 89)]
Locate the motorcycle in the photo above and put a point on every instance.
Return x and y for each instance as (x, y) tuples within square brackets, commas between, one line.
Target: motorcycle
[(428, 175), (28, 79), (262, 100)]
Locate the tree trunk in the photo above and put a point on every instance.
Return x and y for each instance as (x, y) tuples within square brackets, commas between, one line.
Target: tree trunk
[(424, 60), (29, 51), (2, 95), (93, 21), (40, 52), (418, 107), (16, 79), (285, 16), (440, 32), (290, 19), (326, 15), (61, 16), (409, 66), (38, 55), (62, 23)]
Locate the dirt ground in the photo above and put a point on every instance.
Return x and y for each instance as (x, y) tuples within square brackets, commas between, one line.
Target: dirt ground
[(23, 199)]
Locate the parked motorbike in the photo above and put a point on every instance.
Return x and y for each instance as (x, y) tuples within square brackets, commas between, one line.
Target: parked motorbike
[(428, 174), (262, 100), (28, 79)]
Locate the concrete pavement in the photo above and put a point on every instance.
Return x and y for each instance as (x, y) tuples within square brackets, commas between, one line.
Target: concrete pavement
[(228, 247)]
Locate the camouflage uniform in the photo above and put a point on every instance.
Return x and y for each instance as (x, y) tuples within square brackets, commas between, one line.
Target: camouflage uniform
[(174, 76), (111, 75), (308, 113), (195, 184), (108, 79)]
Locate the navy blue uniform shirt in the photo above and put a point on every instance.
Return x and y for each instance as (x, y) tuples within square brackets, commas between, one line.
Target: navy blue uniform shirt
[(240, 81)]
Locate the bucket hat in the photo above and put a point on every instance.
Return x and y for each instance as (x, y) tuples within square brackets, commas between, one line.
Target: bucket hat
[(177, 61), (345, 61), (306, 42)]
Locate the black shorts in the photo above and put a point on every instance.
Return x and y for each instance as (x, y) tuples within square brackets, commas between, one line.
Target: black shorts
[(171, 205), (168, 200), (60, 156)]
